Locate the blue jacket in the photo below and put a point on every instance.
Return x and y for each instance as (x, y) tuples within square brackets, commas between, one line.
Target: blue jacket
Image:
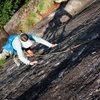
[(8, 46), (13, 45)]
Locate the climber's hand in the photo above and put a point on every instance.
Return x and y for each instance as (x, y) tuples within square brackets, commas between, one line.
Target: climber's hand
[(34, 62), (54, 45)]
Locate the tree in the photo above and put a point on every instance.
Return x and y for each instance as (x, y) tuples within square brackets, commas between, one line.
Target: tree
[(8, 8)]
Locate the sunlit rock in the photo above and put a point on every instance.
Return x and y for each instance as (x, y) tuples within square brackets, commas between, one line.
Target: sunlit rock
[(59, 1), (75, 6)]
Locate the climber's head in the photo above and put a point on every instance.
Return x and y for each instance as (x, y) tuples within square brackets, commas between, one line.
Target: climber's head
[(25, 41), (24, 37)]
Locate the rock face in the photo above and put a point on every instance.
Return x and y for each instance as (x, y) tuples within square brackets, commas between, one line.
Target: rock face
[(3, 37), (29, 15), (72, 7), (71, 71), (59, 1), (20, 21)]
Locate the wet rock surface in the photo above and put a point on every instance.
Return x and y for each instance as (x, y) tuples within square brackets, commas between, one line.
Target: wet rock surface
[(71, 71)]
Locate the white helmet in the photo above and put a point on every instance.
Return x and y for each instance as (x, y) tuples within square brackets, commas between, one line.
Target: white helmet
[(25, 41), (26, 44)]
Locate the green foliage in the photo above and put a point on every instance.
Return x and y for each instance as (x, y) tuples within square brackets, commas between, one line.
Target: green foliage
[(31, 19), (35, 17), (2, 61), (43, 5), (8, 8)]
